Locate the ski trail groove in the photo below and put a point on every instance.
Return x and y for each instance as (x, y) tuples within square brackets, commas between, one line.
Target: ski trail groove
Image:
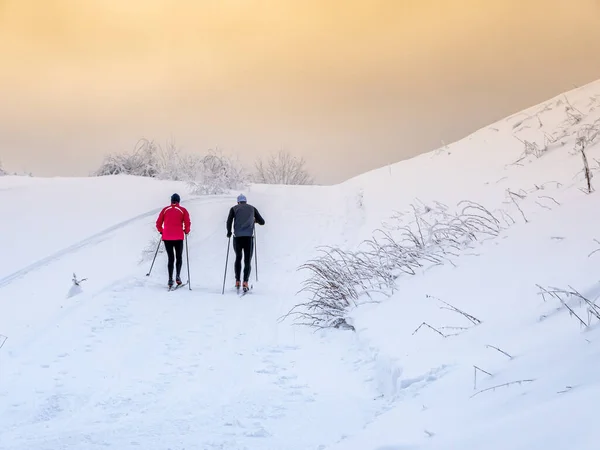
[(92, 240)]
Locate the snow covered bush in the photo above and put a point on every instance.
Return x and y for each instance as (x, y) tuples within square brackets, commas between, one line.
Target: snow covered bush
[(282, 168), (174, 165), (206, 173), (143, 161), (340, 279), (216, 174), (336, 282), (2, 172), (210, 173)]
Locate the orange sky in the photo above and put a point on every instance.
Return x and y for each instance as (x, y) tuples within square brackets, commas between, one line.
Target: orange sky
[(350, 85)]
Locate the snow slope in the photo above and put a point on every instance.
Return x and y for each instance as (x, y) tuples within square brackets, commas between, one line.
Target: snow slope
[(126, 364)]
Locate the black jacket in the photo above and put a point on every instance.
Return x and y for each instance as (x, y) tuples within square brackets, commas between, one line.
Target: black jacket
[(243, 216)]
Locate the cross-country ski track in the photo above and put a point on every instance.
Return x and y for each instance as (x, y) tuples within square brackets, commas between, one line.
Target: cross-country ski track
[(92, 240)]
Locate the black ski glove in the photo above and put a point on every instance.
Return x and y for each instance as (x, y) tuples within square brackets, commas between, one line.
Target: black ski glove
[(229, 234)]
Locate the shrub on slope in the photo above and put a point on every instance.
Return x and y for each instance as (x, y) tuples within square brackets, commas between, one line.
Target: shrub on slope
[(338, 279)]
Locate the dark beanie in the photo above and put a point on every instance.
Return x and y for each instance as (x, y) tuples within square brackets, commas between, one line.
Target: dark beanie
[(175, 198)]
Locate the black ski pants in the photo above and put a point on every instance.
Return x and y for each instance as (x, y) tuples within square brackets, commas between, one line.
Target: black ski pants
[(243, 244), (174, 248)]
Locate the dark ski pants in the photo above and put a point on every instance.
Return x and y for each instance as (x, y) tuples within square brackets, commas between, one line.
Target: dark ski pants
[(243, 244), (174, 248)]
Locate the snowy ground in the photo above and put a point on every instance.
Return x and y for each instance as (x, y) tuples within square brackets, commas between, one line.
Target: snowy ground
[(126, 364)]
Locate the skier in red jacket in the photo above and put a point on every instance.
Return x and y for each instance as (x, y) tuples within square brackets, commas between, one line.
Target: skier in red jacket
[(173, 221)]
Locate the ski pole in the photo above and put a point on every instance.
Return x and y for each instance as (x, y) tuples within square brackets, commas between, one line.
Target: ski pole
[(157, 247), (226, 262), (187, 255), (255, 256)]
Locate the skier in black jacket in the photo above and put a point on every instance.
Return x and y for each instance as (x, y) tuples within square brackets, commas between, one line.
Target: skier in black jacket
[(243, 217)]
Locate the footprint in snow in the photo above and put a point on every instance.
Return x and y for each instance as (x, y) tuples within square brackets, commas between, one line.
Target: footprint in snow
[(259, 432), (268, 371), (235, 423), (284, 379), (51, 407)]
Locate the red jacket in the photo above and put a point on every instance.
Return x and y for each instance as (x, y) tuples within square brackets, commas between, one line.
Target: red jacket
[(172, 222)]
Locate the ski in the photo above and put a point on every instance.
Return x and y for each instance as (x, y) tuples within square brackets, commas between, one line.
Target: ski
[(177, 286), (240, 291), (244, 292)]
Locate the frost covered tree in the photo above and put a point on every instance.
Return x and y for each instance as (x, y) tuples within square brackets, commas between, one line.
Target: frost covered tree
[(205, 173), (282, 168), (216, 173), (143, 161)]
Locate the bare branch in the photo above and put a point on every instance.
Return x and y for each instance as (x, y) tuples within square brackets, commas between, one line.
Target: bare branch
[(598, 249), (562, 294), (501, 351), (512, 196), (475, 375), (548, 197), (493, 388), (472, 319), (430, 327)]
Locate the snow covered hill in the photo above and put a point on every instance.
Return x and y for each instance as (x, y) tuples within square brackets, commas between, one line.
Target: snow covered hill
[(464, 353)]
